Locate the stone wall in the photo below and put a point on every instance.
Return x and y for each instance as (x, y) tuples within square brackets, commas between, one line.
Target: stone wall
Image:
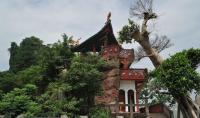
[(110, 84)]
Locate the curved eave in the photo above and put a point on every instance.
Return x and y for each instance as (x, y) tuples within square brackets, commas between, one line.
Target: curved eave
[(97, 40)]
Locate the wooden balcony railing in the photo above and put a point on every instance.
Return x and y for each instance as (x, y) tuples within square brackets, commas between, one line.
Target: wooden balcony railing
[(116, 110)]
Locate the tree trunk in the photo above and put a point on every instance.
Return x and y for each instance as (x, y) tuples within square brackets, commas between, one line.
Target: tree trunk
[(153, 55), (143, 40), (187, 106)]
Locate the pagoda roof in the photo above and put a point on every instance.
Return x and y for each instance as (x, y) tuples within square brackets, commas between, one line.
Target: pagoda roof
[(95, 42)]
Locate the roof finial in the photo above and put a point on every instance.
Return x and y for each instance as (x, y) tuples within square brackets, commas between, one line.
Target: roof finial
[(108, 16)]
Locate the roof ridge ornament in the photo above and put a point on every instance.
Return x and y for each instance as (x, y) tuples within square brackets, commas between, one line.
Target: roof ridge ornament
[(108, 17)]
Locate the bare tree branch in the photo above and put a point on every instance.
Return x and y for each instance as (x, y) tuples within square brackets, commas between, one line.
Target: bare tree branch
[(143, 9), (160, 43), (139, 54)]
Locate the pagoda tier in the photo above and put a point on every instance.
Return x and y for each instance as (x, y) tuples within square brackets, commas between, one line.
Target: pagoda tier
[(102, 38), (120, 84)]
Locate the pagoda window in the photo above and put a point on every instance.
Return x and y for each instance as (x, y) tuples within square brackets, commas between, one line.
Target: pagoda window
[(122, 100), (131, 99), (121, 65)]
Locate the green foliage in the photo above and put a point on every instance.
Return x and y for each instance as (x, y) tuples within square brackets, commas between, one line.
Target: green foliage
[(24, 55), (194, 58), (99, 113), (56, 57), (33, 75), (55, 102), (126, 34), (163, 98), (94, 60), (49, 80), (176, 76), (151, 90), (7, 81), (178, 72), (85, 76), (33, 109), (78, 87), (19, 101)]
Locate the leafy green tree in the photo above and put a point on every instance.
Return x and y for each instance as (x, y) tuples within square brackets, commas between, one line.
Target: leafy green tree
[(99, 113), (29, 50), (55, 101), (35, 63), (24, 55), (85, 77), (7, 81), (33, 75), (76, 87), (178, 75), (64, 81), (56, 57), (20, 101)]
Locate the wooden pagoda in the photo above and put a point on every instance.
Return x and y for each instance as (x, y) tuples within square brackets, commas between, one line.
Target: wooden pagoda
[(122, 84)]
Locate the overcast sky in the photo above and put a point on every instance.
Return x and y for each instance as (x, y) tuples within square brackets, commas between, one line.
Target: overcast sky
[(48, 19)]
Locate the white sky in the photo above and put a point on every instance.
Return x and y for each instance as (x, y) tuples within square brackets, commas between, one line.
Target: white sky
[(48, 19)]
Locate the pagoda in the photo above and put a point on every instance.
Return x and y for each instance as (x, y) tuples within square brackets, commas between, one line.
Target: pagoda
[(121, 84)]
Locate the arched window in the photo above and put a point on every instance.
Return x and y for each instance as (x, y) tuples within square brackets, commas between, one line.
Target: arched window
[(131, 99), (121, 65), (121, 100)]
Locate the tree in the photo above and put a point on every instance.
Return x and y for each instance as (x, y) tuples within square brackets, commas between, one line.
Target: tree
[(24, 55), (75, 89), (7, 81), (20, 101), (32, 75), (65, 82), (55, 102), (56, 57), (85, 76), (178, 75), (143, 10)]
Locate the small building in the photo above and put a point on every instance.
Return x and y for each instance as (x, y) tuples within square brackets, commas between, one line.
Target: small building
[(130, 79), (122, 84)]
